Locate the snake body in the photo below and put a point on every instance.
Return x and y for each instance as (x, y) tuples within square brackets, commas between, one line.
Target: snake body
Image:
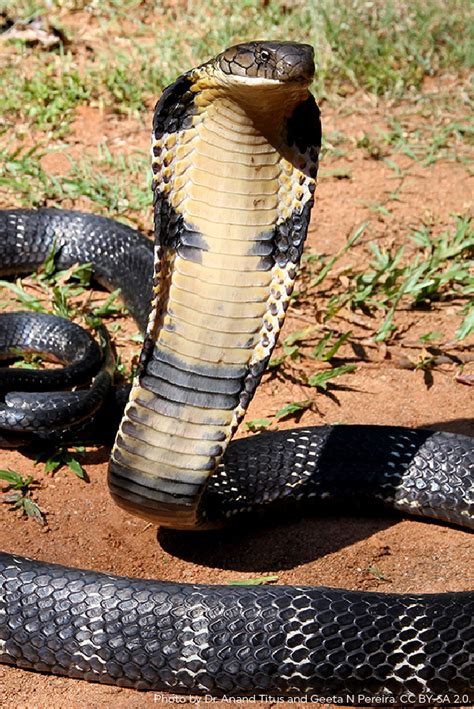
[(235, 150)]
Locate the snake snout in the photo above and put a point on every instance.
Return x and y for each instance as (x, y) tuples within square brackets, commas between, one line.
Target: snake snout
[(296, 64)]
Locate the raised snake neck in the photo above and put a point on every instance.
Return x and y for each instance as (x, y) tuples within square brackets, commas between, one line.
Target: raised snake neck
[(231, 222)]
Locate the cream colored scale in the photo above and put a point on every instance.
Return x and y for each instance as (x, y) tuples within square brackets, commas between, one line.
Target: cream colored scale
[(229, 214)]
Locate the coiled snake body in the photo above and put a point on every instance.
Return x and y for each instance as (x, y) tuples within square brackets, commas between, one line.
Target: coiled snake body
[(235, 150)]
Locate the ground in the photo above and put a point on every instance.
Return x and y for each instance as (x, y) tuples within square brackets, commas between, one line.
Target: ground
[(420, 374)]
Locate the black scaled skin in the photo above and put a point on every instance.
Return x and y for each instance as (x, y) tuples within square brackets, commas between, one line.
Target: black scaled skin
[(122, 257)]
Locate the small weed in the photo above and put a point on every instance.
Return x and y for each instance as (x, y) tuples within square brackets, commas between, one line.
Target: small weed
[(291, 343), (320, 380), (256, 581), (121, 194), (375, 571), (430, 337), (325, 350), (467, 326), (61, 305), (44, 99), (18, 493), (430, 141), (30, 360), (296, 408), (338, 173), (257, 425), (373, 147), (25, 299), (326, 267), (63, 457), (425, 360), (110, 307)]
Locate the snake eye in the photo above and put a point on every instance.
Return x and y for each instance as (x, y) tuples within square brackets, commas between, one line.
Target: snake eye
[(264, 55)]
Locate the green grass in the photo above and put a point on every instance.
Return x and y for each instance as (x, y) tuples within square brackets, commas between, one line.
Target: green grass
[(434, 268), (385, 47), (390, 47), (115, 185), (430, 141), (45, 100)]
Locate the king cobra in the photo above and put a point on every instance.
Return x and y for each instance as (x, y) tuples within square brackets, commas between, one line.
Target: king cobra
[(234, 157)]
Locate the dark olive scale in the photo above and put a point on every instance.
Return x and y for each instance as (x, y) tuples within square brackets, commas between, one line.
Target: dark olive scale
[(172, 232), (168, 223), (189, 253), (340, 467), (192, 238), (58, 340), (261, 248), (142, 487), (122, 258), (268, 60), (146, 352), (265, 263), (290, 237), (245, 397), (200, 368), (174, 409), (183, 395), (190, 380), (258, 368), (303, 128), (294, 255), (174, 111), (36, 411)]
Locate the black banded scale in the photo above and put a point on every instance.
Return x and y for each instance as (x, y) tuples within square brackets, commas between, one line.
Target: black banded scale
[(233, 188)]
